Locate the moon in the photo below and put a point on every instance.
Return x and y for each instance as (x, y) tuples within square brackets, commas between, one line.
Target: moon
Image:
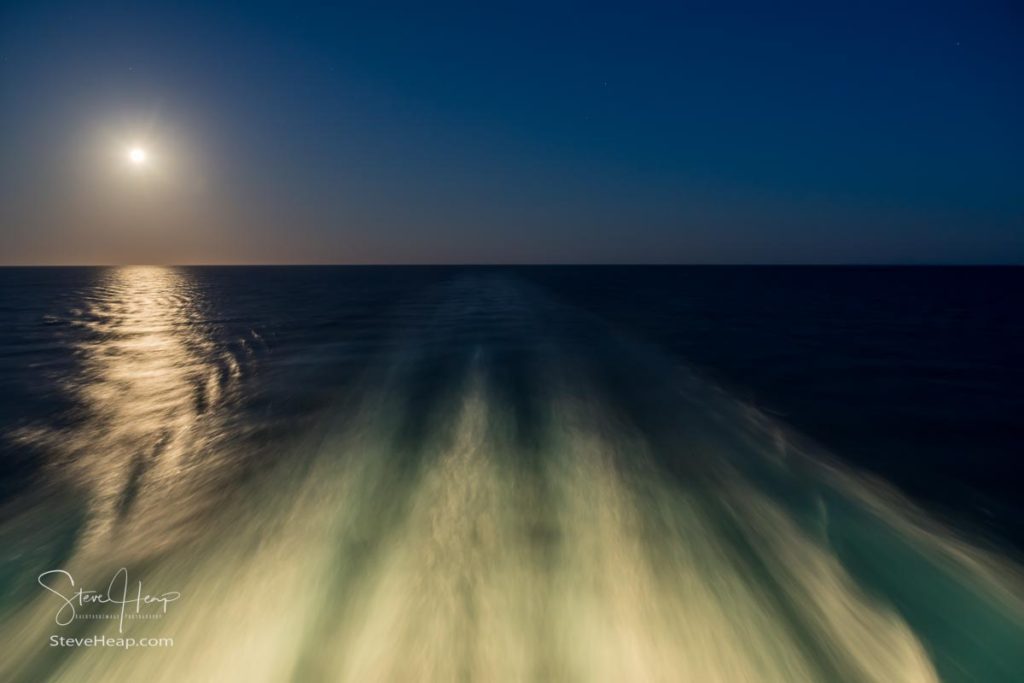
[(137, 155)]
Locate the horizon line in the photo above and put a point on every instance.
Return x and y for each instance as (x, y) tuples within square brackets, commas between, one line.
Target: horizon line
[(491, 264)]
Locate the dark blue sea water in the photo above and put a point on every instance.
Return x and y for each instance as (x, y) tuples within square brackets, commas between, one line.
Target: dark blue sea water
[(557, 473)]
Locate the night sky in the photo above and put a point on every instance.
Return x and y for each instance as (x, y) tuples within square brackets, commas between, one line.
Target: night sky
[(520, 133)]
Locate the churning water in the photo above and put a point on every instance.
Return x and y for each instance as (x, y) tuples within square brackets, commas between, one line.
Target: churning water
[(425, 475)]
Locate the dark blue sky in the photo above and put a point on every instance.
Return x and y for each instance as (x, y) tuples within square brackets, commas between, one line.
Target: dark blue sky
[(685, 132)]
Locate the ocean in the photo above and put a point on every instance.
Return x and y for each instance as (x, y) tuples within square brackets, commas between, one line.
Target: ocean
[(513, 473)]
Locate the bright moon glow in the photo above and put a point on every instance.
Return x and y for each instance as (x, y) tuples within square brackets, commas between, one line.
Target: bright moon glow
[(137, 156)]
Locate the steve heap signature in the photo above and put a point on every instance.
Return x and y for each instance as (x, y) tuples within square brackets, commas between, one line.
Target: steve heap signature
[(119, 592)]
